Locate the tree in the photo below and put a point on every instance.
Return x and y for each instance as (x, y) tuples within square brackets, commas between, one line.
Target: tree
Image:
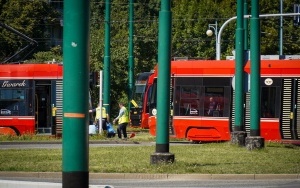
[(32, 18), (190, 20), (145, 42), (190, 23), (270, 29), (55, 55)]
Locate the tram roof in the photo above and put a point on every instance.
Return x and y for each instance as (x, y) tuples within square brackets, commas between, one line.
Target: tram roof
[(226, 68), (31, 71)]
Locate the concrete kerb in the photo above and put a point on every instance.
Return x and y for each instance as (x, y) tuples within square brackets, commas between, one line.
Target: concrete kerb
[(58, 175), (277, 176), (232, 176)]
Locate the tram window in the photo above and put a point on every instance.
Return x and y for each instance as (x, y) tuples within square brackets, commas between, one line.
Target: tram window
[(140, 88), (189, 92), (12, 102), (214, 101), (215, 82), (18, 94), (153, 95), (187, 96), (268, 102), (6, 94), (9, 94), (149, 94), (189, 80), (189, 104)]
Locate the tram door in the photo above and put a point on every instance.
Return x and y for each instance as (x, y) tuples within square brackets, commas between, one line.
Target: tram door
[(290, 116), (43, 106)]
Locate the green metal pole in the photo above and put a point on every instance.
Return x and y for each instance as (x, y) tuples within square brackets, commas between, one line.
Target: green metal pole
[(163, 99), (281, 29), (255, 70), (246, 28), (131, 54), (254, 140), (75, 94), (238, 136), (164, 65), (106, 69)]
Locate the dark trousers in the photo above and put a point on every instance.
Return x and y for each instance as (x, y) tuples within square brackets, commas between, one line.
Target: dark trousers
[(104, 121), (122, 129)]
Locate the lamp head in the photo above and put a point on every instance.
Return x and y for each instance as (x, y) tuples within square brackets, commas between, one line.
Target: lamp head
[(209, 33)]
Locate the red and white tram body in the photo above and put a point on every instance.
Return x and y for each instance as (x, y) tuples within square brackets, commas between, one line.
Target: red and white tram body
[(31, 98), (194, 82)]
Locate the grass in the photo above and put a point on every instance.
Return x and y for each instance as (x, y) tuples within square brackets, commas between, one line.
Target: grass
[(28, 137), (141, 135), (212, 158)]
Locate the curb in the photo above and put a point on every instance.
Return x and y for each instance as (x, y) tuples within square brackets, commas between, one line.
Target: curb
[(58, 175)]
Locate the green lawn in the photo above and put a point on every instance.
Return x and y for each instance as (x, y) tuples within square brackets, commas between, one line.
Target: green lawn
[(214, 158)]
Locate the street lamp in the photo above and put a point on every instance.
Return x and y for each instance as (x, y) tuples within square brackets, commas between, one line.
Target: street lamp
[(218, 51), (209, 33)]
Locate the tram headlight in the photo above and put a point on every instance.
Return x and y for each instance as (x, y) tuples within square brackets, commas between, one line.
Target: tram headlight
[(154, 111)]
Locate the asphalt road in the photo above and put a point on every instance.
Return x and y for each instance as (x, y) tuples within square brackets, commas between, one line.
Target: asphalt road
[(155, 183)]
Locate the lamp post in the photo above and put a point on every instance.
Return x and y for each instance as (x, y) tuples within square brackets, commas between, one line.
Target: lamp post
[(209, 33), (218, 51)]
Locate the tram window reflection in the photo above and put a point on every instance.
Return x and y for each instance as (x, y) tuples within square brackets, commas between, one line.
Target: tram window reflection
[(189, 101), (214, 101), (268, 101)]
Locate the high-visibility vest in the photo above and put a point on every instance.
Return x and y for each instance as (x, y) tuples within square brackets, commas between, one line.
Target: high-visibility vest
[(124, 118), (54, 111), (98, 111)]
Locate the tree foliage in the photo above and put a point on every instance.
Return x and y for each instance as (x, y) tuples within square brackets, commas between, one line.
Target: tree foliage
[(31, 18), (190, 21), (54, 55)]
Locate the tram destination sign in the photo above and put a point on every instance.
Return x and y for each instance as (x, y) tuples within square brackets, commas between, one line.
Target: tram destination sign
[(14, 83)]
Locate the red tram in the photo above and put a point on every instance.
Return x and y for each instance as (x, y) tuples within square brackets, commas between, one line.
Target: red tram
[(31, 98), (194, 82), (138, 117)]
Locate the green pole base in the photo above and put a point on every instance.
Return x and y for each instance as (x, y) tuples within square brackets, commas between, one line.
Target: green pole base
[(75, 179), (159, 158), (255, 142), (238, 137)]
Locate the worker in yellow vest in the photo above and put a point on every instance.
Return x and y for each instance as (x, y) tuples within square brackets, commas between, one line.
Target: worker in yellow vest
[(123, 120), (105, 117)]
